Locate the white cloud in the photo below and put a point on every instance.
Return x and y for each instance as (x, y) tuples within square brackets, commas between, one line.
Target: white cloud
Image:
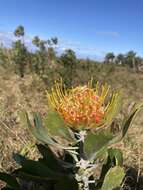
[(108, 33), (77, 46)]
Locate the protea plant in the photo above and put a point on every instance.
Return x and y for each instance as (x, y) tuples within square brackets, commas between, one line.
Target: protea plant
[(79, 125)]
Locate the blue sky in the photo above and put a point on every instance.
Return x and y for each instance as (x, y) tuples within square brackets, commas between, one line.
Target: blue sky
[(90, 27)]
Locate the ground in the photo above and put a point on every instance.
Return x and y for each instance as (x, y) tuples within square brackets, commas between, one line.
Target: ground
[(28, 93)]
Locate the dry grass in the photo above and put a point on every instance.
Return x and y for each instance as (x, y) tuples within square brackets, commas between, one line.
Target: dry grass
[(17, 95), (29, 94)]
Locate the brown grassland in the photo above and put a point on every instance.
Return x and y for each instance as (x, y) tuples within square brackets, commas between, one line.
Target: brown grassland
[(28, 93)]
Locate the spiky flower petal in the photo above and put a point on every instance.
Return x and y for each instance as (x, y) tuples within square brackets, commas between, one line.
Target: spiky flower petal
[(83, 105)]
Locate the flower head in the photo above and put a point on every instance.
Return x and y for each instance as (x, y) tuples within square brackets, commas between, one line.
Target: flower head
[(83, 105)]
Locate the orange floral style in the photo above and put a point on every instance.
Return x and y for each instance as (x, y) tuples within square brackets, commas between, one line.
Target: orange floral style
[(82, 105)]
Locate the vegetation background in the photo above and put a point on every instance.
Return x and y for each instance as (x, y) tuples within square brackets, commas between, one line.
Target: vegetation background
[(25, 76)]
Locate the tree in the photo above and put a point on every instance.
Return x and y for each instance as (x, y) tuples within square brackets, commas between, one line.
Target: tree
[(36, 41), (130, 59), (20, 56), (52, 49), (120, 59), (54, 40), (45, 54), (138, 63), (20, 51), (19, 31), (109, 57), (69, 61), (41, 44), (68, 58)]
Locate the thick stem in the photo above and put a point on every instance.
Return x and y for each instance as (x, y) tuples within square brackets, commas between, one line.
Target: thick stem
[(84, 165)]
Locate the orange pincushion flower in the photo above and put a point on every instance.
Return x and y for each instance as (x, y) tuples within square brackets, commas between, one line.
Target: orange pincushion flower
[(81, 106)]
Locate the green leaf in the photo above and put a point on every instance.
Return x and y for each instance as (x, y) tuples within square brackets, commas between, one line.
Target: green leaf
[(10, 180), (50, 159), (31, 177), (38, 131), (37, 168), (41, 130), (114, 107), (117, 155), (129, 120), (108, 163), (67, 183), (96, 143), (113, 178), (57, 127), (41, 133)]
